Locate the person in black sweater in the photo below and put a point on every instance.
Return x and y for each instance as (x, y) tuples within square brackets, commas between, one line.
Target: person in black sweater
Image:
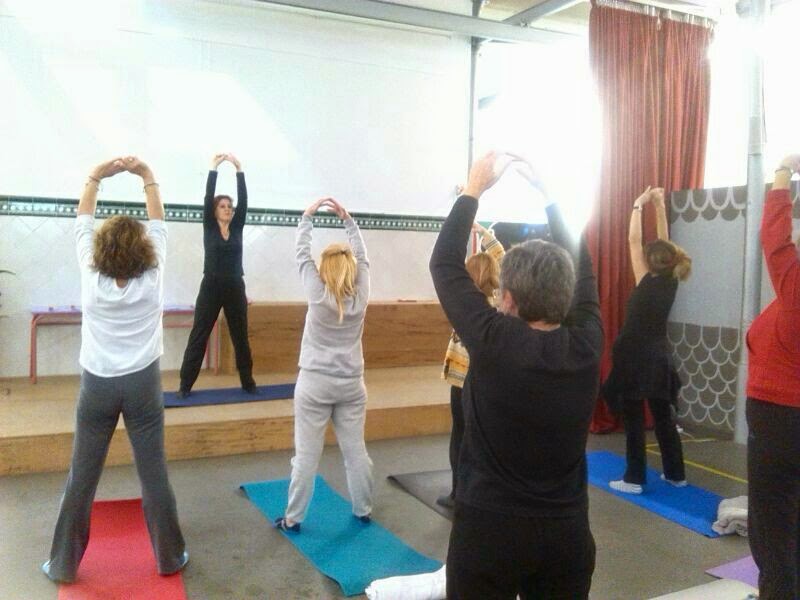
[(521, 521), (643, 366), (223, 284)]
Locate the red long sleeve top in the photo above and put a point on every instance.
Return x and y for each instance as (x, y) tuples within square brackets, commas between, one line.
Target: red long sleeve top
[(773, 340)]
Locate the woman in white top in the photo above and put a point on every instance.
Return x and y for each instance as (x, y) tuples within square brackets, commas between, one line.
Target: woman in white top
[(122, 297), (330, 384)]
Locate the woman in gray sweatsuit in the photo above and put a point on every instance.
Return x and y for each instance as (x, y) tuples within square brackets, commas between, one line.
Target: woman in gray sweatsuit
[(330, 384)]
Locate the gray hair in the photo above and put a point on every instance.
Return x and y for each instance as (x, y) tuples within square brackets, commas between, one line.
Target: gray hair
[(541, 279)]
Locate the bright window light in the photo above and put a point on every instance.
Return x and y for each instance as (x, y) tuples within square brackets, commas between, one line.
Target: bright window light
[(539, 101), (726, 156), (781, 86)]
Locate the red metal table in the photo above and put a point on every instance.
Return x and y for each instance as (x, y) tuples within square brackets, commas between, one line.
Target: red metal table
[(71, 315)]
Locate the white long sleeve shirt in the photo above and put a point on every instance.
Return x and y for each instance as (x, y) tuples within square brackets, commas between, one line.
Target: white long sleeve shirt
[(121, 330)]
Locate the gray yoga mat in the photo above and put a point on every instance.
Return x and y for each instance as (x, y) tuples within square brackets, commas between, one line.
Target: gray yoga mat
[(426, 487)]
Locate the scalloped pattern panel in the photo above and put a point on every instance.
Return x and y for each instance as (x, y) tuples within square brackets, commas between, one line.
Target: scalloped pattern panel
[(707, 358), (727, 203)]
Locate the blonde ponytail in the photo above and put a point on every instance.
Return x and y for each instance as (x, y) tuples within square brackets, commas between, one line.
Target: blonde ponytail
[(337, 269), (485, 272)]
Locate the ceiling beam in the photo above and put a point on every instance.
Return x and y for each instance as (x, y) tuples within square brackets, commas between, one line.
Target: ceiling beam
[(541, 10), (376, 10)]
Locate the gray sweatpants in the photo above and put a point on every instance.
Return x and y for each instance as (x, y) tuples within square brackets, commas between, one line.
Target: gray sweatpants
[(139, 398), (318, 398)]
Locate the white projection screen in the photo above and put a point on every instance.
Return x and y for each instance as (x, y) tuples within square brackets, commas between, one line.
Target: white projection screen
[(373, 115)]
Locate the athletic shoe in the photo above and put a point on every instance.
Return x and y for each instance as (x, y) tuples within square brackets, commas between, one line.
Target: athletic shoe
[(625, 487), (681, 483), (280, 523)]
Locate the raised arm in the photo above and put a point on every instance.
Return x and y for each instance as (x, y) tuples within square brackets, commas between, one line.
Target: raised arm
[(351, 229), (211, 187), (309, 275), (491, 245), (776, 236), (357, 245), (84, 224), (585, 307), (240, 216), (153, 203), (88, 201), (662, 227), (463, 303), (638, 261)]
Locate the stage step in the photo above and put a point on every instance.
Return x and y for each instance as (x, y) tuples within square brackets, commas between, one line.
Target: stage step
[(37, 421)]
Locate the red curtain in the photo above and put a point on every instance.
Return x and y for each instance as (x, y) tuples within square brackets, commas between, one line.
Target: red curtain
[(652, 77)]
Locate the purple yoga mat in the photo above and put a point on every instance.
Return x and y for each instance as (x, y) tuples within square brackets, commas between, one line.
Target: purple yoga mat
[(744, 570)]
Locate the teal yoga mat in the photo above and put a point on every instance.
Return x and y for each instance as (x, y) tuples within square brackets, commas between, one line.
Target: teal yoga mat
[(352, 553), (690, 506)]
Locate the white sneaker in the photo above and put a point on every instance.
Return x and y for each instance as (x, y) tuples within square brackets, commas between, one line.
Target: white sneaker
[(625, 487), (681, 483)]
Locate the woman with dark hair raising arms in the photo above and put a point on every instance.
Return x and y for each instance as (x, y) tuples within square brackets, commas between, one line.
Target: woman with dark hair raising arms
[(223, 280), (643, 366)]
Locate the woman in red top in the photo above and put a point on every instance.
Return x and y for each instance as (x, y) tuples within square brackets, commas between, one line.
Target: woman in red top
[(773, 403)]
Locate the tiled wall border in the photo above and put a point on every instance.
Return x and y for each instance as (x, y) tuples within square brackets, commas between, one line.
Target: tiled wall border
[(191, 213)]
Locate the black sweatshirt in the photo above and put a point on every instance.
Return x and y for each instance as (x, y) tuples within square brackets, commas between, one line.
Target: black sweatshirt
[(529, 394), (223, 258)]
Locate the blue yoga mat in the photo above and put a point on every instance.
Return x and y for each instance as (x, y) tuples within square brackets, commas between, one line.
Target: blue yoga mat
[(229, 396), (690, 506), (339, 545)]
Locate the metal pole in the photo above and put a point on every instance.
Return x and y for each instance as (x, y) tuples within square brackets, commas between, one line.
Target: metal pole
[(751, 278), (473, 68)]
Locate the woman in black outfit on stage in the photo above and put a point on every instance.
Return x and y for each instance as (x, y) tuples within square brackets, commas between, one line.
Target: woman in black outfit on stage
[(643, 365), (223, 283)]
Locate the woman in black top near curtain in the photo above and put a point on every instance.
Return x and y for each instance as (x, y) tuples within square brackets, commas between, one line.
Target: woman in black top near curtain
[(643, 367), (223, 284)]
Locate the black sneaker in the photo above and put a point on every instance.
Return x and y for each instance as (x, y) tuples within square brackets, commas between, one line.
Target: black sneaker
[(280, 523), (446, 501), (250, 388), (181, 566), (364, 518), (181, 393)]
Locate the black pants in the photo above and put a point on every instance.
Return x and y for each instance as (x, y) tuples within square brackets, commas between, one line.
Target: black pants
[(456, 433), (228, 294), (669, 441), (773, 472), (497, 556)]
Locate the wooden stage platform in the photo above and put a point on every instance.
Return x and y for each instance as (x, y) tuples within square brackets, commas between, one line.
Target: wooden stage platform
[(37, 421)]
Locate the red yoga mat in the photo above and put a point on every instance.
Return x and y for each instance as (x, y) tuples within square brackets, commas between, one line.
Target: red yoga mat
[(119, 562)]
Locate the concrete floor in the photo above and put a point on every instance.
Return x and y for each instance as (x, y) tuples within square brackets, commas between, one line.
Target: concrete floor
[(236, 555)]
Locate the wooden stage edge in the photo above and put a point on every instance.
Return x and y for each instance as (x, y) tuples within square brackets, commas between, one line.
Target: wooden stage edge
[(37, 421)]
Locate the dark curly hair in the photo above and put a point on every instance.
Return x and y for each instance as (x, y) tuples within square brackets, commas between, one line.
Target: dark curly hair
[(122, 249)]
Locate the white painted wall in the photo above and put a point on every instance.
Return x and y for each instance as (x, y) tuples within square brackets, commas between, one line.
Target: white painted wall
[(375, 115), (41, 251)]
